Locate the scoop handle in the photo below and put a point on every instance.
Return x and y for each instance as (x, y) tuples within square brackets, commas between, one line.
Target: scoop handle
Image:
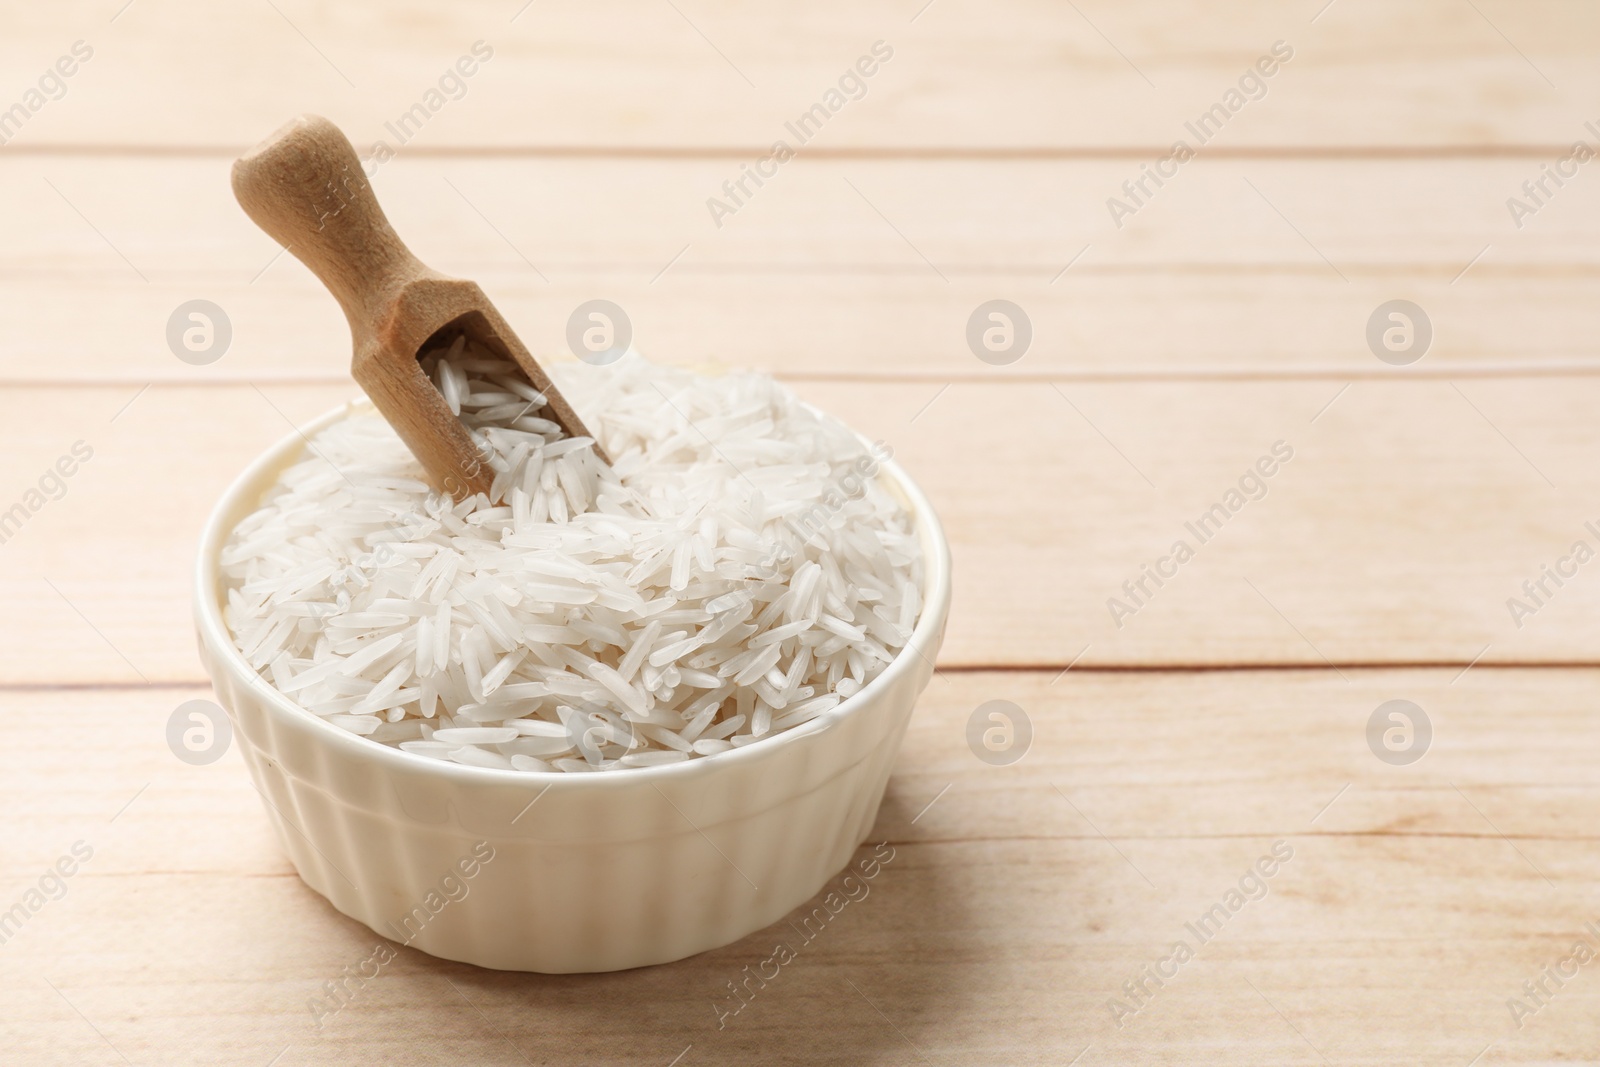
[(305, 186)]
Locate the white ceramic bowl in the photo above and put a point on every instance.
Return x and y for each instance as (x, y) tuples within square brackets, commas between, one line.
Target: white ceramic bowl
[(602, 871)]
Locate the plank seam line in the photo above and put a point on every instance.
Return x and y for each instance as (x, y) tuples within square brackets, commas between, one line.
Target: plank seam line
[(866, 153), (499, 272), (1288, 665), (1308, 667), (1242, 835), (1132, 376)]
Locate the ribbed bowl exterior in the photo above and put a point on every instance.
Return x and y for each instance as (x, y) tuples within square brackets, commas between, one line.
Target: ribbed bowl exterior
[(560, 872)]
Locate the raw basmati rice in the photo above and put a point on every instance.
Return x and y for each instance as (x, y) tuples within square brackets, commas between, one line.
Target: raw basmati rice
[(736, 572)]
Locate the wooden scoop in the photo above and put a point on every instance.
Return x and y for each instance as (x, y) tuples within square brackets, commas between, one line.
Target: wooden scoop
[(305, 187)]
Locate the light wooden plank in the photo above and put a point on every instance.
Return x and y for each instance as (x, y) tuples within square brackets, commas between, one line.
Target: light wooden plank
[(1107, 325), (176, 219), (1014, 909), (96, 258), (1023, 72), (1411, 512)]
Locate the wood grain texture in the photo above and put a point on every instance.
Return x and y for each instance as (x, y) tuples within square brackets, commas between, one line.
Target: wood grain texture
[(305, 187), (1170, 353), (176, 218), (964, 76), (1410, 514), (1019, 899), (1208, 279)]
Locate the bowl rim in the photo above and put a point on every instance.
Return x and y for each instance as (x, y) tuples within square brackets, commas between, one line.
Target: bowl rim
[(245, 490)]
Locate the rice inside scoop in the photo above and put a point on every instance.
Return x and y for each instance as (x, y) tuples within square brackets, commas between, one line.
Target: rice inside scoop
[(738, 571)]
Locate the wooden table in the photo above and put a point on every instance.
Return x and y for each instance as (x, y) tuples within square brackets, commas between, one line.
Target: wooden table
[(1176, 741)]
